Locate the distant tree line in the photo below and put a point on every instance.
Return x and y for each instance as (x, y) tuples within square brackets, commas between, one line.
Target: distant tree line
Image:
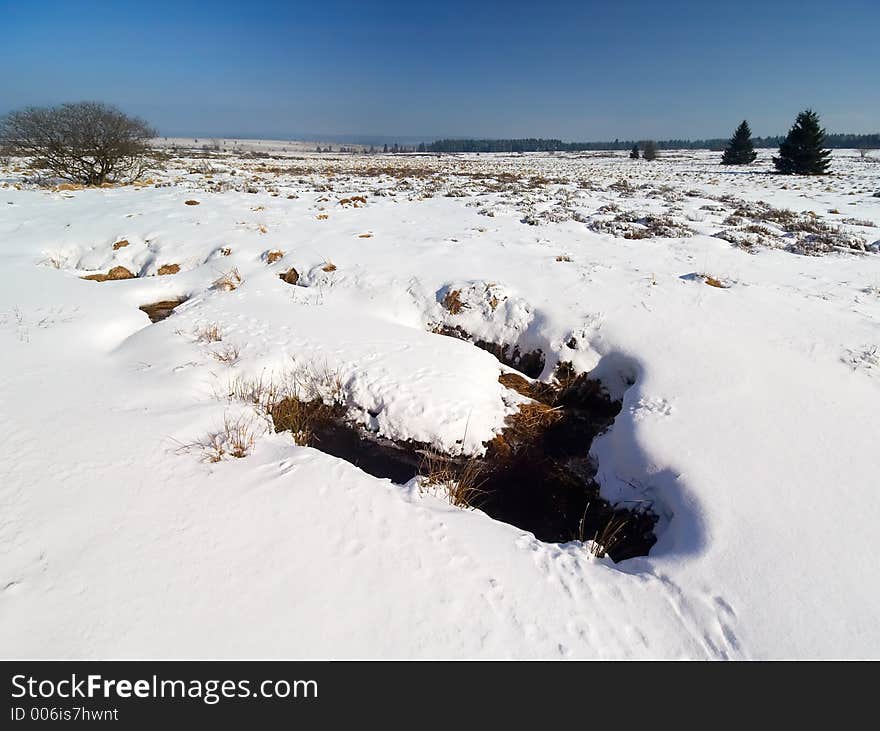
[(533, 144)]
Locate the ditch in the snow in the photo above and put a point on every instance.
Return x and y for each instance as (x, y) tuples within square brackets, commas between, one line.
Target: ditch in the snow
[(536, 474)]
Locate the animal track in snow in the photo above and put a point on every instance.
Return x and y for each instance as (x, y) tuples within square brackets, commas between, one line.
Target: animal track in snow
[(645, 408)]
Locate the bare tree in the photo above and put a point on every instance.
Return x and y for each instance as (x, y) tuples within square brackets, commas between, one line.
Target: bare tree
[(649, 150), (86, 142)]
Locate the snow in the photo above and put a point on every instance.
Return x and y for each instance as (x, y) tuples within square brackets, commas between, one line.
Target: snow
[(749, 411)]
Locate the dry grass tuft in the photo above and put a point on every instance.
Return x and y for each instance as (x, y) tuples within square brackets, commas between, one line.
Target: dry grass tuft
[(300, 417), (461, 484), (714, 282), (298, 401), (291, 276), (532, 418), (226, 251), (115, 273), (228, 355), (262, 392), (54, 260), (563, 257), (209, 334), (191, 203), (516, 382), (168, 269), (236, 438), (329, 267), (273, 256), (160, 310), (228, 282), (523, 429), (323, 216), (609, 535), (452, 302), (120, 244)]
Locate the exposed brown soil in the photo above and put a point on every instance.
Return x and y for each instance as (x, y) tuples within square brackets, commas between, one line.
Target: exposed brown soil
[(160, 310), (120, 245), (191, 203)]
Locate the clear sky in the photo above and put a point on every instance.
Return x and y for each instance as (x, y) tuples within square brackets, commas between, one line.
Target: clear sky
[(574, 70)]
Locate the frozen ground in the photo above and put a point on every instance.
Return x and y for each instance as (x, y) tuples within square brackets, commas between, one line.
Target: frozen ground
[(749, 415)]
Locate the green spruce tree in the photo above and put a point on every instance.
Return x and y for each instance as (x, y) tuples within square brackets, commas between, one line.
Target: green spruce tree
[(634, 153), (803, 151), (740, 150)]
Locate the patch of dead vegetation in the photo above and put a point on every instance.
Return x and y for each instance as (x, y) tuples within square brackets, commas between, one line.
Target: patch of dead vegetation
[(304, 400), (210, 333), (228, 281), (236, 438), (634, 225), (452, 302), (355, 201), (116, 273), (191, 203), (801, 233), (714, 282), (166, 269), (120, 244), (229, 354), (459, 481), (291, 276), (273, 256), (161, 310)]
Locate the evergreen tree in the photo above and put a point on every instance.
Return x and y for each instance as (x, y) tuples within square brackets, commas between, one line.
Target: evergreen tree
[(634, 153), (803, 151), (650, 150), (740, 150), (385, 149)]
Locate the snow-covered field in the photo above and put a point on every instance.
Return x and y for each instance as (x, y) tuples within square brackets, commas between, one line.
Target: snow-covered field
[(734, 312)]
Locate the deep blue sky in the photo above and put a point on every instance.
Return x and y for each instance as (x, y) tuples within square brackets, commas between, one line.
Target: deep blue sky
[(574, 70)]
